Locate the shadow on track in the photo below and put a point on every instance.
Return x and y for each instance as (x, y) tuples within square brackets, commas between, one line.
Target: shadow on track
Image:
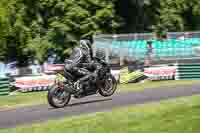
[(88, 102), (85, 102)]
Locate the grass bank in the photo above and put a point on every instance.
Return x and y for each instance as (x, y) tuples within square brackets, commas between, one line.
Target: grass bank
[(22, 99), (173, 116), (157, 84)]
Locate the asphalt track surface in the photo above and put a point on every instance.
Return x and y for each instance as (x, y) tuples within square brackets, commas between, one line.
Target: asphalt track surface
[(42, 113)]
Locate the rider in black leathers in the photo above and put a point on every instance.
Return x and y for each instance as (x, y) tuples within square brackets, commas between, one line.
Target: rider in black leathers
[(80, 62)]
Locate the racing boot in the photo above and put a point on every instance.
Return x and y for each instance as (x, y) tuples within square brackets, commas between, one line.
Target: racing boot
[(78, 87)]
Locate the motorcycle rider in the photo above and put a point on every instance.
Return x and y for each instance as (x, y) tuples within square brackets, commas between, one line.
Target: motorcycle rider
[(80, 62)]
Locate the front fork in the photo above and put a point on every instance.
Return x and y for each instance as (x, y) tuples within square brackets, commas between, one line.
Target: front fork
[(62, 83)]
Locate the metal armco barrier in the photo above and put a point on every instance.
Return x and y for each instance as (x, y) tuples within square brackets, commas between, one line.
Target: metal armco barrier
[(4, 86), (34, 83), (161, 73), (188, 71), (34, 89)]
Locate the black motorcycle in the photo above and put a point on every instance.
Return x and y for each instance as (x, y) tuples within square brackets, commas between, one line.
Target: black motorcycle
[(104, 84)]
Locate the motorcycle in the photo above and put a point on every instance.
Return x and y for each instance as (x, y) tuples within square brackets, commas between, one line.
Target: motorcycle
[(60, 93)]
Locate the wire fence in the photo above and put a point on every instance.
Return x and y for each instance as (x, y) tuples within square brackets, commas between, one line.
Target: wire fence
[(121, 47), (147, 36)]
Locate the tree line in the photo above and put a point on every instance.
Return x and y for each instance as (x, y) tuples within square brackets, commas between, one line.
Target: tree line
[(30, 29)]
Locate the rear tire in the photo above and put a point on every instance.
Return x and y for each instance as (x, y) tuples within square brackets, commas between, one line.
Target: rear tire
[(54, 92), (109, 87)]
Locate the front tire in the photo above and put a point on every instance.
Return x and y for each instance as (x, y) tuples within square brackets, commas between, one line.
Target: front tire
[(61, 95), (109, 86)]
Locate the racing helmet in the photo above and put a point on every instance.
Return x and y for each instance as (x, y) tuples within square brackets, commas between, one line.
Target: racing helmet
[(85, 44)]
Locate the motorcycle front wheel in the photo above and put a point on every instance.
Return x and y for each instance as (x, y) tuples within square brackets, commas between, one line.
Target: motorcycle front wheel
[(108, 87), (58, 97)]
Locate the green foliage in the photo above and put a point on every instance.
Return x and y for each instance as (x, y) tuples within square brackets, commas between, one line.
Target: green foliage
[(178, 15), (39, 47), (30, 28), (138, 15), (3, 32), (37, 26)]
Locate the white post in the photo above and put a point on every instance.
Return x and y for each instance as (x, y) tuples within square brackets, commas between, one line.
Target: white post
[(122, 56), (94, 49)]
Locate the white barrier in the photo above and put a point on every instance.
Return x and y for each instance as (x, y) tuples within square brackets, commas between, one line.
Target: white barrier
[(36, 83), (160, 73)]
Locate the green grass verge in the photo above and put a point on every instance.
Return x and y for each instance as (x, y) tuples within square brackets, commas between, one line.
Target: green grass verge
[(173, 116), (40, 97), (157, 84), (22, 99)]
